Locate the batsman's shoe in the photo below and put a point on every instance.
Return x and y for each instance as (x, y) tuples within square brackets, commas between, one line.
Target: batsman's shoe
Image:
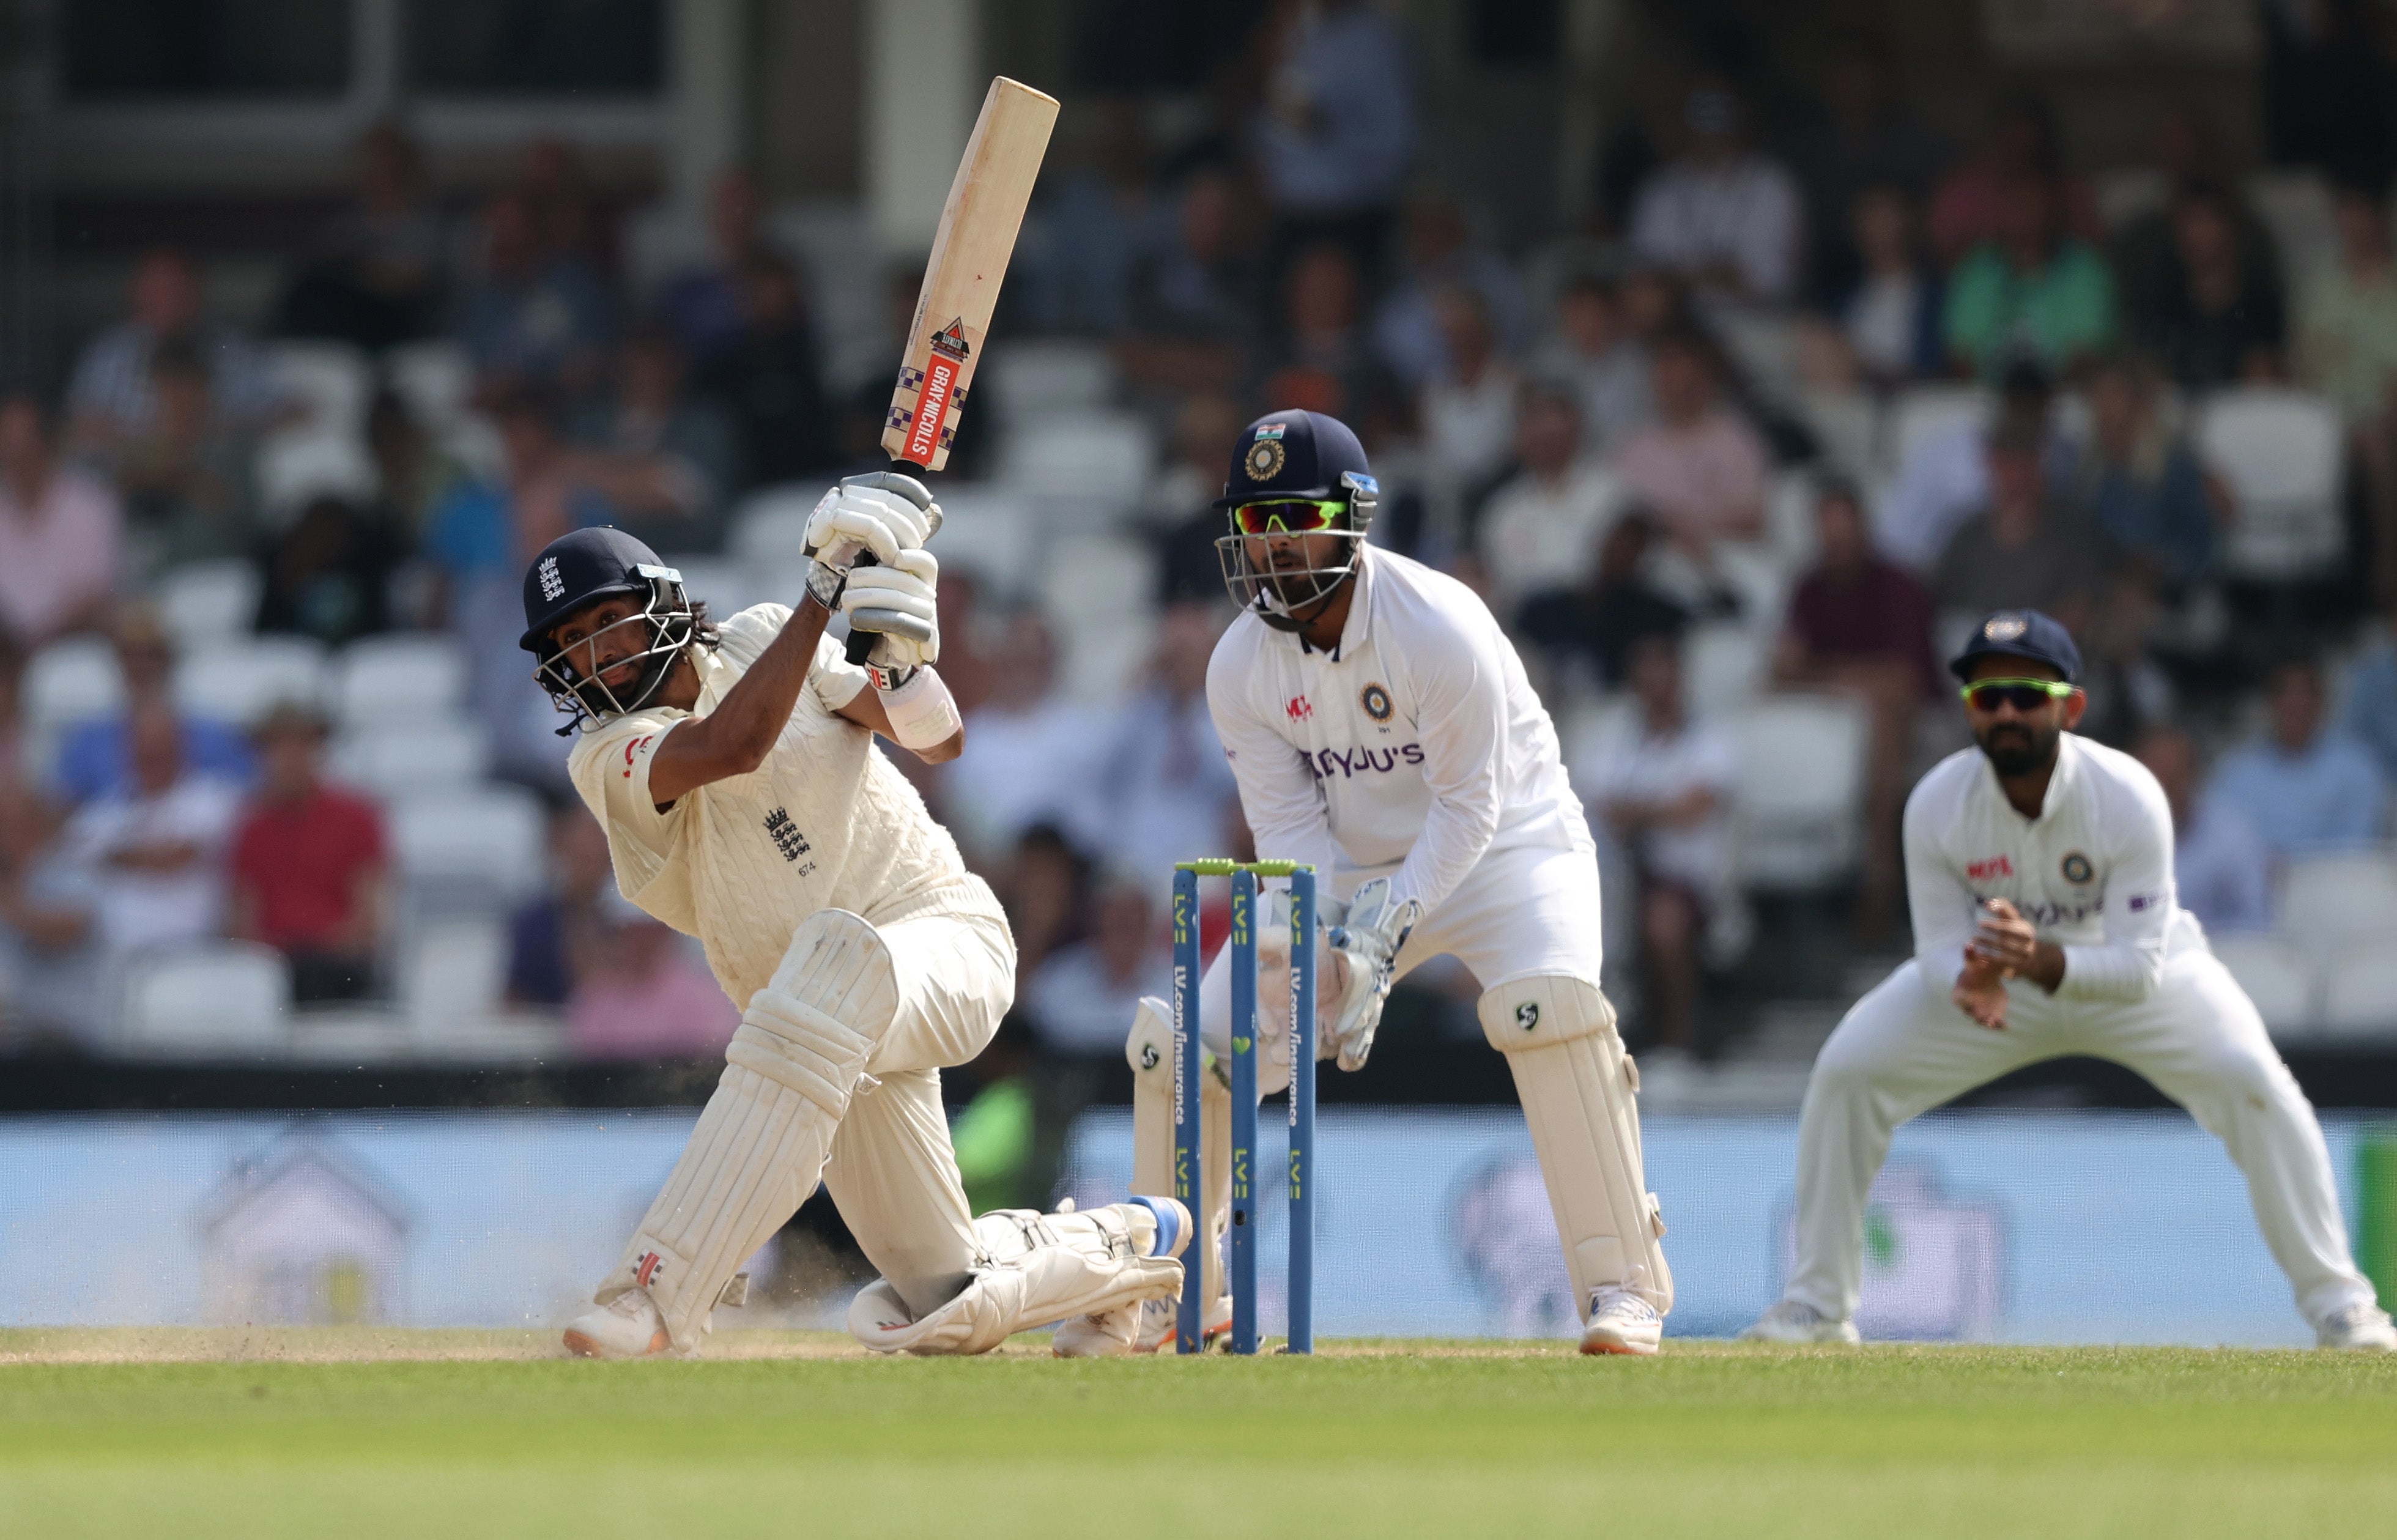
[(1160, 1323), (1116, 1332), (2361, 1326), (626, 1327), (1790, 1321), (1621, 1321)]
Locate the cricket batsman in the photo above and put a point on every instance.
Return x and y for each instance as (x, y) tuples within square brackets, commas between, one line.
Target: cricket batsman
[(1381, 727), (735, 772), (2039, 869)]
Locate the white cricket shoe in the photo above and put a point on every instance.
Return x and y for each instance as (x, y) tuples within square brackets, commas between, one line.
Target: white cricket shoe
[(1116, 1332), (1160, 1323), (2359, 1326), (1621, 1321), (1794, 1322), (626, 1327)]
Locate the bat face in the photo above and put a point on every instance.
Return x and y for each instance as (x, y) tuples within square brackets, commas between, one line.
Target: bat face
[(977, 236)]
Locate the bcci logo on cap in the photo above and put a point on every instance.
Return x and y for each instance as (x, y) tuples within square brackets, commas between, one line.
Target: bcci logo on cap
[(1265, 460), (553, 587), (2004, 628)]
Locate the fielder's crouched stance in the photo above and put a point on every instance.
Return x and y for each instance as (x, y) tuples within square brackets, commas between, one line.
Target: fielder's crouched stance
[(2039, 866), (744, 805), (1381, 727)]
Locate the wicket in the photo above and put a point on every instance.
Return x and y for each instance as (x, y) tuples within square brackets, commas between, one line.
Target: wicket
[(1241, 1268)]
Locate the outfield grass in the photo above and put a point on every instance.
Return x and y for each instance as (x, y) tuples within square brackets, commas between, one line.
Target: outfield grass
[(334, 1434)]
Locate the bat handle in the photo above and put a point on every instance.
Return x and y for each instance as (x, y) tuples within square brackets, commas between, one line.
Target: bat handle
[(860, 643)]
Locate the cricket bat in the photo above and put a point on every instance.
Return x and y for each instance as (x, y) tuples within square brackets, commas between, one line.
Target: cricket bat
[(977, 236)]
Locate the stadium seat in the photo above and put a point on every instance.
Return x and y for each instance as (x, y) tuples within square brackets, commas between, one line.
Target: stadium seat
[(301, 464), (1923, 412), (1080, 467), (1098, 591), (208, 602), (403, 676), (1802, 777), (1846, 426), (1764, 347), (771, 523), (2277, 976), (241, 681), (1721, 663), (729, 586), (451, 975), (216, 1000), (434, 378), (410, 756), (2126, 193), (1029, 380), (2280, 452), (475, 849), (333, 379), (987, 532), (2360, 999), (71, 681), (2328, 902), (2295, 207)]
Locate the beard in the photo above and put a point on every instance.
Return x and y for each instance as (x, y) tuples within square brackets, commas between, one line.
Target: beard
[(2017, 748)]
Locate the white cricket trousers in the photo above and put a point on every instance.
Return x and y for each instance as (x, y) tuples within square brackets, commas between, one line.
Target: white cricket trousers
[(1906, 1047)]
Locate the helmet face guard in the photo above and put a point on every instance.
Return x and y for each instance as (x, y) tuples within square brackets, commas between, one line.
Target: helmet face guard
[(1279, 597), (668, 624)]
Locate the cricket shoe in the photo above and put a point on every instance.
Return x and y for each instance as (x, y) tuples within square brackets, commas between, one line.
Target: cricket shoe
[(1116, 1333), (626, 1327), (2359, 1326), (1621, 1321), (1792, 1321), (1161, 1324)]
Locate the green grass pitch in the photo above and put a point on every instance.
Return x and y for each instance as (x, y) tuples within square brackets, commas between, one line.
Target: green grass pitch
[(362, 1433)]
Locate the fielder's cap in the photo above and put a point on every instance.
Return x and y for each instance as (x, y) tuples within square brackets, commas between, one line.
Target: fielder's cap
[(1293, 454), (579, 567), (2021, 633)]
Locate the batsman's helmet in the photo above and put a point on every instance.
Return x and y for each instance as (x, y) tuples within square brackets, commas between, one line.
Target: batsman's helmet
[(580, 568)]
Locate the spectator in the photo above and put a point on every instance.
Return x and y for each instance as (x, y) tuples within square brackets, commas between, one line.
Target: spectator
[(2368, 693), (187, 482), (49, 972), (110, 397), (95, 758), (1321, 359), (1083, 995), (1890, 314), (1194, 296), (374, 277), (2221, 870), (1724, 217), (1336, 132), (2030, 291), (413, 473), (1029, 751), (2185, 153), (2347, 349), (768, 381), (329, 574), (2217, 318), (639, 994), (1945, 479), (1664, 791), (1547, 519), (1699, 466), (1205, 427), (1594, 347), (1411, 328), (1860, 625), (309, 864), (528, 315), (2326, 88), (61, 534), (996, 1135), (1862, 137), (2128, 689), (2025, 551), (546, 935), (1467, 410), (2305, 785), (1614, 607), (1040, 885), (665, 461), (2140, 482), (1969, 206), (1095, 213), (706, 307), (153, 848), (570, 222), (1163, 787)]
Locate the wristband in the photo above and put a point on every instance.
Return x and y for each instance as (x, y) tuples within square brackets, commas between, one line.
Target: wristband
[(922, 712), (825, 584)]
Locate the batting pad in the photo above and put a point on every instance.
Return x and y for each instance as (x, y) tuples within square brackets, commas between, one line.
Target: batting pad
[(1578, 1090), (1150, 1048), (1038, 1268), (761, 1141)]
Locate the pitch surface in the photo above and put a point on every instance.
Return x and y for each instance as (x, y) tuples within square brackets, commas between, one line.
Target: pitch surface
[(361, 1434)]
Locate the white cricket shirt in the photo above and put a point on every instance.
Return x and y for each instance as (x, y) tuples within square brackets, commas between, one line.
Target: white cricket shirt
[(1416, 744), (825, 823), (2094, 870)]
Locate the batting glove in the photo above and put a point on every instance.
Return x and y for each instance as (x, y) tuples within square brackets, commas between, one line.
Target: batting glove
[(882, 513), (898, 599)]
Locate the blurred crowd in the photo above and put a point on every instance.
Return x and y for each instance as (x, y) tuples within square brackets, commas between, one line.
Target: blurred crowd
[(1626, 438)]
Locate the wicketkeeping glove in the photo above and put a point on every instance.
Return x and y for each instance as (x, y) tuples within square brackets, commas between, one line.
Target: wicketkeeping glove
[(1367, 941)]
